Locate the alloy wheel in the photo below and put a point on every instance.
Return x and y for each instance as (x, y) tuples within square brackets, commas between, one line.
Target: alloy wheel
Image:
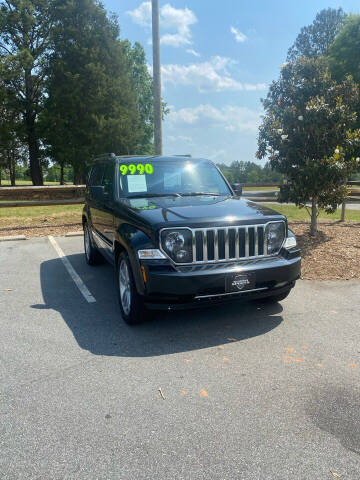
[(125, 287)]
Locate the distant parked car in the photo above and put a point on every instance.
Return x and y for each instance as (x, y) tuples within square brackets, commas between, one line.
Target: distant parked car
[(179, 235)]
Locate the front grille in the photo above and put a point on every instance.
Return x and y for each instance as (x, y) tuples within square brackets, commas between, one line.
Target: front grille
[(222, 244)]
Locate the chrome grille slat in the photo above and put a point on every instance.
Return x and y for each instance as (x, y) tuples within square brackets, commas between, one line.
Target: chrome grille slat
[(205, 248), (194, 245), (237, 243), (256, 241), (246, 242), (265, 243), (227, 244), (210, 246), (216, 245)]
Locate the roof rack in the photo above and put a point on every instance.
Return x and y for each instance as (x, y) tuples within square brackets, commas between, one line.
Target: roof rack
[(179, 155), (104, 156), (130, 156)]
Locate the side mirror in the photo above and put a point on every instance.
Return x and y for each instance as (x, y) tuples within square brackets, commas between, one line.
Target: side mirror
[(237, 187)]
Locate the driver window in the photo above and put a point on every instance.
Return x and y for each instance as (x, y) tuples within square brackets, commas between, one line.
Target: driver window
[(108, 178)]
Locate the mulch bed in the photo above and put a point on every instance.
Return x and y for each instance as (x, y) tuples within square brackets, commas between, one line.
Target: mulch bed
[(41, 230), (334, 253)]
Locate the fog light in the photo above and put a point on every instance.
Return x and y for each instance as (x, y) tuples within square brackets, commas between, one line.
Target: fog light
[(290, 242), (150, 254)]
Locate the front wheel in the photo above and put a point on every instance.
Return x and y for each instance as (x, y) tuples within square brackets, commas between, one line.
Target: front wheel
[(132, 305)]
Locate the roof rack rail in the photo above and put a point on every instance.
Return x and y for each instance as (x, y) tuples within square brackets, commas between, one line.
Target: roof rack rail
[(180, 155), (130, 156), (105, 156)]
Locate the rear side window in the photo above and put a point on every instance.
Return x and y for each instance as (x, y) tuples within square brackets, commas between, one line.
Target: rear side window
[(96, 175), (108, 178)]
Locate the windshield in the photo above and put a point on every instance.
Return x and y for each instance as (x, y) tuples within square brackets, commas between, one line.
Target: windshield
[(152, 178)]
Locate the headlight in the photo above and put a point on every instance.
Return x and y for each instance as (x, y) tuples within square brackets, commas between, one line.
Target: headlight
[(275, 235), (177, 244)]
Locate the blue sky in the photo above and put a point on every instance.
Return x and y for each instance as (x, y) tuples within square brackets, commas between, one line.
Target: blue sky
[(218, 59)]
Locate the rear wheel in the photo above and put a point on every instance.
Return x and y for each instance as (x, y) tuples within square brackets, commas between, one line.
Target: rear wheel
[(92, 254), (132, 305)]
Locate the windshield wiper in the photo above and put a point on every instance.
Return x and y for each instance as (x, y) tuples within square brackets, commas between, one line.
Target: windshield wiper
[(197, 194), (149, 195)]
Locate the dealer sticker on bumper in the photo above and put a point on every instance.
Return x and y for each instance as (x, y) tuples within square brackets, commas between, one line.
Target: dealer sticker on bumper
[(238, 282)]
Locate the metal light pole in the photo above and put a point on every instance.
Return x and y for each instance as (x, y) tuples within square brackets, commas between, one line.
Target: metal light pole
[(156, 77)]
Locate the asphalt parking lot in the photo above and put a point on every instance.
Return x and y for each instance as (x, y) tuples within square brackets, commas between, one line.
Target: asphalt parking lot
[(248, 391)]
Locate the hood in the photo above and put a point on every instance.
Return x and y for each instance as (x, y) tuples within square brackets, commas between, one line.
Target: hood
[(198, 211)]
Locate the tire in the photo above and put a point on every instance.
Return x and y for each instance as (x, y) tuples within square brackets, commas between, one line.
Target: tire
[(92, 254), (133, 310), (276, 298)]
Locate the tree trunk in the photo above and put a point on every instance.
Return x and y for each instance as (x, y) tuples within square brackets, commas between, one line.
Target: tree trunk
[(79, 177), (313, 226), (0, 176), (61, 174), (32, 140), (12, 176), (12, 167), (343, 210), (34, 160)]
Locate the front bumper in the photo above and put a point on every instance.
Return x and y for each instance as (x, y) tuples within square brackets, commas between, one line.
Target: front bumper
[(178, 287)]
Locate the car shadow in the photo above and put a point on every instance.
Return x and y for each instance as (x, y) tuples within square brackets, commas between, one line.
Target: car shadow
[(98, 327)]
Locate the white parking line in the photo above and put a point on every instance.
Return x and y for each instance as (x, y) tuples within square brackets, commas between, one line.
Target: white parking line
[(77, 280)]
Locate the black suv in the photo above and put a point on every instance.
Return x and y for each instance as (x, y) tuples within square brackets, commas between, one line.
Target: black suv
[(179, 235)]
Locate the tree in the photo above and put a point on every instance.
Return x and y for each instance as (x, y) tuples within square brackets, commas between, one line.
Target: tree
[(91, 105), (10, 143), (307, 134), (249, 172), (25, 27), (143, 87), (315, 39), (344, 53)]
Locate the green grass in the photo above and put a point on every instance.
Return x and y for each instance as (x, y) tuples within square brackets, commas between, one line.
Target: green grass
[(54, 215), (295, 213), (59, 213), (37, 212)]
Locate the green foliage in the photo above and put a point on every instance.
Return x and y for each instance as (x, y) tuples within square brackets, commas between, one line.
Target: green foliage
[(143, 87), (10, 143), (344, 53), (53, 174), (250, 172), (91, 107), (74, 88), (307, 134), (25, 27), (315, 39)]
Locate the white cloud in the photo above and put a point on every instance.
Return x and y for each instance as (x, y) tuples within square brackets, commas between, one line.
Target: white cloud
[(193, 52), (209, 76), (239, 36), (176, 20), (231, 118), (181, 138), (174, 39), (142, 14)]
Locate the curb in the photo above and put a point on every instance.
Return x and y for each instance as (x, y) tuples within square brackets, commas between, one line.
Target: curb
[(13, 237), (74, 234)]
